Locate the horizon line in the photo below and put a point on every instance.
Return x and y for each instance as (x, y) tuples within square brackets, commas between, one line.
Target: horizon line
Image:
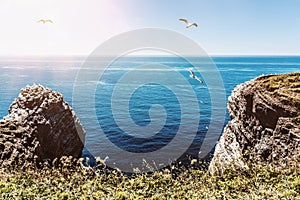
[(144, 55)]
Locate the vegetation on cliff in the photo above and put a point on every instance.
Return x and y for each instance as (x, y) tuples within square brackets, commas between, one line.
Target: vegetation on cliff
[(285, 87), (70, 181)]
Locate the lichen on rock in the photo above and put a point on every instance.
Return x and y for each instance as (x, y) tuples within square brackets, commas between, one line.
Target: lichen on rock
[(264, 126), (40, 125)]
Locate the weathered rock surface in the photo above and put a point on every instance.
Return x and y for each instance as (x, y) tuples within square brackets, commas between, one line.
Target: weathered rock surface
[(40, 125), (264, 126)]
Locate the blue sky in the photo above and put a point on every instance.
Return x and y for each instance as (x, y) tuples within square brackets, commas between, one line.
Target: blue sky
[(229, 26), (226, 27)]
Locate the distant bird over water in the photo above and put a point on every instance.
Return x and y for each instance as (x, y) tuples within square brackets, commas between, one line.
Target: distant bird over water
[(45, 21), (192, 75), (188, 24)]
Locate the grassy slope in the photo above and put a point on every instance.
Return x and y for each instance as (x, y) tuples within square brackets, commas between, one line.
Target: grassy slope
[(69, 182), (285, 87)]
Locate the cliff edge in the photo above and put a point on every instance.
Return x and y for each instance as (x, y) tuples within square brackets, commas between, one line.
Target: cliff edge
[(264, 126)]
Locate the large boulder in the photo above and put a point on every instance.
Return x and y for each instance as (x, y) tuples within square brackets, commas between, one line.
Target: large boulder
[(264, 126), (40, 125)]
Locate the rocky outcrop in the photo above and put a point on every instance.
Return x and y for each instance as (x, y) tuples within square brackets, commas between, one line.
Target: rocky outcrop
[(264, 126), (40, 125)]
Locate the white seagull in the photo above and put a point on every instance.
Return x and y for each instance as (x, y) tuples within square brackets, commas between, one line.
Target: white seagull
[(192, 75), (188, 24), (45, 21)]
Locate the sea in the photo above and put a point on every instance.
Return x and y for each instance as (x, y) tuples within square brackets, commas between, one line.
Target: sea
[(135, 107)]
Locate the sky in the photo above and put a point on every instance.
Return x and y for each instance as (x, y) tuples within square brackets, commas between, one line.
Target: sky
[(226, 27)]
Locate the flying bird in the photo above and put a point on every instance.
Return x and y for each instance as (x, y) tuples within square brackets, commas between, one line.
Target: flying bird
[(192, 75), (188, 24), (45, 21)]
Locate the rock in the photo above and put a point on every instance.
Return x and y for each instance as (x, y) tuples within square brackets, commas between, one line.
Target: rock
[(264, 126), (41, 125)]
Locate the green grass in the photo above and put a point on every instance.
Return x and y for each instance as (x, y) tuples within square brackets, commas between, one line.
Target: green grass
[(285, 87), (70, 181)]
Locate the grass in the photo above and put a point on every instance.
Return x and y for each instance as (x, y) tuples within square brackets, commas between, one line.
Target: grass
[(70, 181), (285, 87)]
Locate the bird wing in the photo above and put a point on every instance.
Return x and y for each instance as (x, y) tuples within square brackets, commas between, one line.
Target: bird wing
[(49, 20), (194, 24), (41, 20), (184, 20), (192, 73), (198, 79)]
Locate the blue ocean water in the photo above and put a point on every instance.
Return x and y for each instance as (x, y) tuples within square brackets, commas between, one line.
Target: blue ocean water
[(60, 74)]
